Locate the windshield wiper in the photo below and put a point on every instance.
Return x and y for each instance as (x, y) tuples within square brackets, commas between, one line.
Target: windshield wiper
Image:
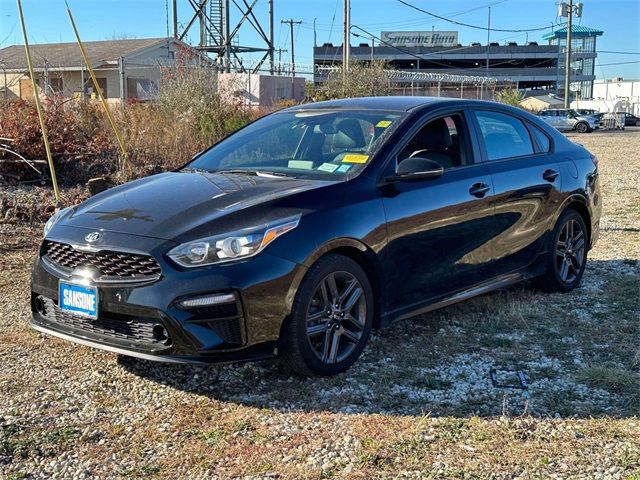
[(195, 170), (254, 172)]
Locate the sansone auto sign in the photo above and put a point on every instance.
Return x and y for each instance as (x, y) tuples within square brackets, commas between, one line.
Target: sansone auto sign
[(420, 39)]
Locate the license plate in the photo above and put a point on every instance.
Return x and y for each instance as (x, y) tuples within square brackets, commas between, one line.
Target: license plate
[(78, 299)]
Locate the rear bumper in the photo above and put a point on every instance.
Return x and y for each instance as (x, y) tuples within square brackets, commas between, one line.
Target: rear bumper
[(131, 315)]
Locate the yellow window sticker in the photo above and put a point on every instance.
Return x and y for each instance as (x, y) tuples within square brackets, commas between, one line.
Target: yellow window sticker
[(328, 167), (383, 123), (355, 158)]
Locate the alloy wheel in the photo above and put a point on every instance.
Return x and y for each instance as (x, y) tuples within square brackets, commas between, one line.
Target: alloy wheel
[(570, 251), (336, 317)]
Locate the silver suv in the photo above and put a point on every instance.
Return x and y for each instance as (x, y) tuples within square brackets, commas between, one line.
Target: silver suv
[(569, 119)]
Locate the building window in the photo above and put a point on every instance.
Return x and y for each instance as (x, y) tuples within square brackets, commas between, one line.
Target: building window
[(102, 84), (141, 88), (56, 85)]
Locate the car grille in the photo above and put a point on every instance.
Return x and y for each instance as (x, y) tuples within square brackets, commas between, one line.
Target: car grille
[(116, 326), (111, 265)]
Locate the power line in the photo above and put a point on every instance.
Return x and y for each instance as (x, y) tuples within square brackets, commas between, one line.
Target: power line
[(620, 53), (619, 63), (477, 27)]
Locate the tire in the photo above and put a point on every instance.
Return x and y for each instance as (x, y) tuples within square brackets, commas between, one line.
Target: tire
[(582, 127), (321, 339), (565, 264), (637, 123)]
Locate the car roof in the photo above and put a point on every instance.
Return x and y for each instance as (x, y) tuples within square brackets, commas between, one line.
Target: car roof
[(397, 103)]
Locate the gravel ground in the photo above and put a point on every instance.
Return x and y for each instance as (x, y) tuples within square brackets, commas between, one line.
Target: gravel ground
[(425, 410)]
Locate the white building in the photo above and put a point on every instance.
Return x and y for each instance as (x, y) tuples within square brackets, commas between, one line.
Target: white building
[(125, 69), (619, 90)]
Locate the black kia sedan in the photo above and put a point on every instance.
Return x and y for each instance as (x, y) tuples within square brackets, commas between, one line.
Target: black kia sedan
[(299, 233)]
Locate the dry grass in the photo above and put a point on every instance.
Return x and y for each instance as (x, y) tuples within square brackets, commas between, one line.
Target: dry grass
[(418, 404)]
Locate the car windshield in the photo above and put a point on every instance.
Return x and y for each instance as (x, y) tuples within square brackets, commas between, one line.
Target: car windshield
[(322, 144)]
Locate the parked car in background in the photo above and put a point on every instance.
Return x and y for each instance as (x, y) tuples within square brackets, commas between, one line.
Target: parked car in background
[(299, 233), (587, 112), (568, 119), (630, 120)]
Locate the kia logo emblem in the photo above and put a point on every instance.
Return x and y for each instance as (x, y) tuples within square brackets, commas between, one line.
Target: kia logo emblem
[(93, 237)]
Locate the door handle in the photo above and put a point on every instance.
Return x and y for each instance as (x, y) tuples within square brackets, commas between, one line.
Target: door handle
[(550, 175), (479, 189)]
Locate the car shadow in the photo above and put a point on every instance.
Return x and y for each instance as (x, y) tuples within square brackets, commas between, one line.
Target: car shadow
[(514, 351)]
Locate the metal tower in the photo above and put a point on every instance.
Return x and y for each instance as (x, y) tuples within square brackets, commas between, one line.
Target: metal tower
[(216, 35)]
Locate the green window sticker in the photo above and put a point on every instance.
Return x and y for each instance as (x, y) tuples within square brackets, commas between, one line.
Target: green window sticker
[(328, 167), (301, 164)]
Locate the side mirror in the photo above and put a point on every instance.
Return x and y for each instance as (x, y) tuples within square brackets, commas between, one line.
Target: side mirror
[(416, 168)]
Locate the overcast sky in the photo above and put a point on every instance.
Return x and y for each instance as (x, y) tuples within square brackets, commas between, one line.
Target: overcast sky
[(104, 19)]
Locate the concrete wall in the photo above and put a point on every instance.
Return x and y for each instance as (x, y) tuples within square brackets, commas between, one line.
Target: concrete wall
[(261, 90)]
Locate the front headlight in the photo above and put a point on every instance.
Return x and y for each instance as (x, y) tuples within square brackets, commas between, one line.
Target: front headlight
[(53, 220), (232, 246)]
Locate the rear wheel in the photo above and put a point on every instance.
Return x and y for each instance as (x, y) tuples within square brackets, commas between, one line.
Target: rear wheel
[(637, 123), (582, 127), (331, 318), (567, 254)]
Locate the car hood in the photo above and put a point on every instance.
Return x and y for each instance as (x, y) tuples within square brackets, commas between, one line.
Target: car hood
[(172, 204)]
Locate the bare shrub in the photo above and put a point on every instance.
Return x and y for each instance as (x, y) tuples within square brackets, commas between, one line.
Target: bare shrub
[(363, 80), (188, 116)]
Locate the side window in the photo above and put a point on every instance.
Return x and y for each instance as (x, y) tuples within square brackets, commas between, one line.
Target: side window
[(541, 138), (504, 136), (441, 140)]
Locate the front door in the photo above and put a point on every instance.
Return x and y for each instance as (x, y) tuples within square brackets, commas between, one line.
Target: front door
[(438, 229)]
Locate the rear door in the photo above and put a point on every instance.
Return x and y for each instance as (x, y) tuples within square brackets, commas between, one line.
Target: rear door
[(527, 185), (438, 229)]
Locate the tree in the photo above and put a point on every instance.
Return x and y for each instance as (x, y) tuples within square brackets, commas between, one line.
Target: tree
[(510, 96)]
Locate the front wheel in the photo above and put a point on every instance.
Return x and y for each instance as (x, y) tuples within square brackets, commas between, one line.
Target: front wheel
[(567, 254), (331, 318), (582, 127), (637, 123)]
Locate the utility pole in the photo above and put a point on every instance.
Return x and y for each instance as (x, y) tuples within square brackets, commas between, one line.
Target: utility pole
[(372, 45), (346, 46), (488, 39), (567, 10), (174, 10), (227, 36), (280, 52), (271, 44), (567, 61), (291, 22), (315, 37)]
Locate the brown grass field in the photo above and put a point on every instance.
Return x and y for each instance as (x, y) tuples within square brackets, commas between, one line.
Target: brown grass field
[(419, 404)]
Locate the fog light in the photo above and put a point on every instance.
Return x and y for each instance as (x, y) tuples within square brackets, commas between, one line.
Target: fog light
[(39, 305), (160, 334), (207, 300)]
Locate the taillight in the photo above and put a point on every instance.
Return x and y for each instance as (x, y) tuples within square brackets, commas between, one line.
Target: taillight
[(594, 159)]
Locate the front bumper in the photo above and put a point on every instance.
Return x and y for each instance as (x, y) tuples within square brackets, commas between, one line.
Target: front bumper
[(130, 315)]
